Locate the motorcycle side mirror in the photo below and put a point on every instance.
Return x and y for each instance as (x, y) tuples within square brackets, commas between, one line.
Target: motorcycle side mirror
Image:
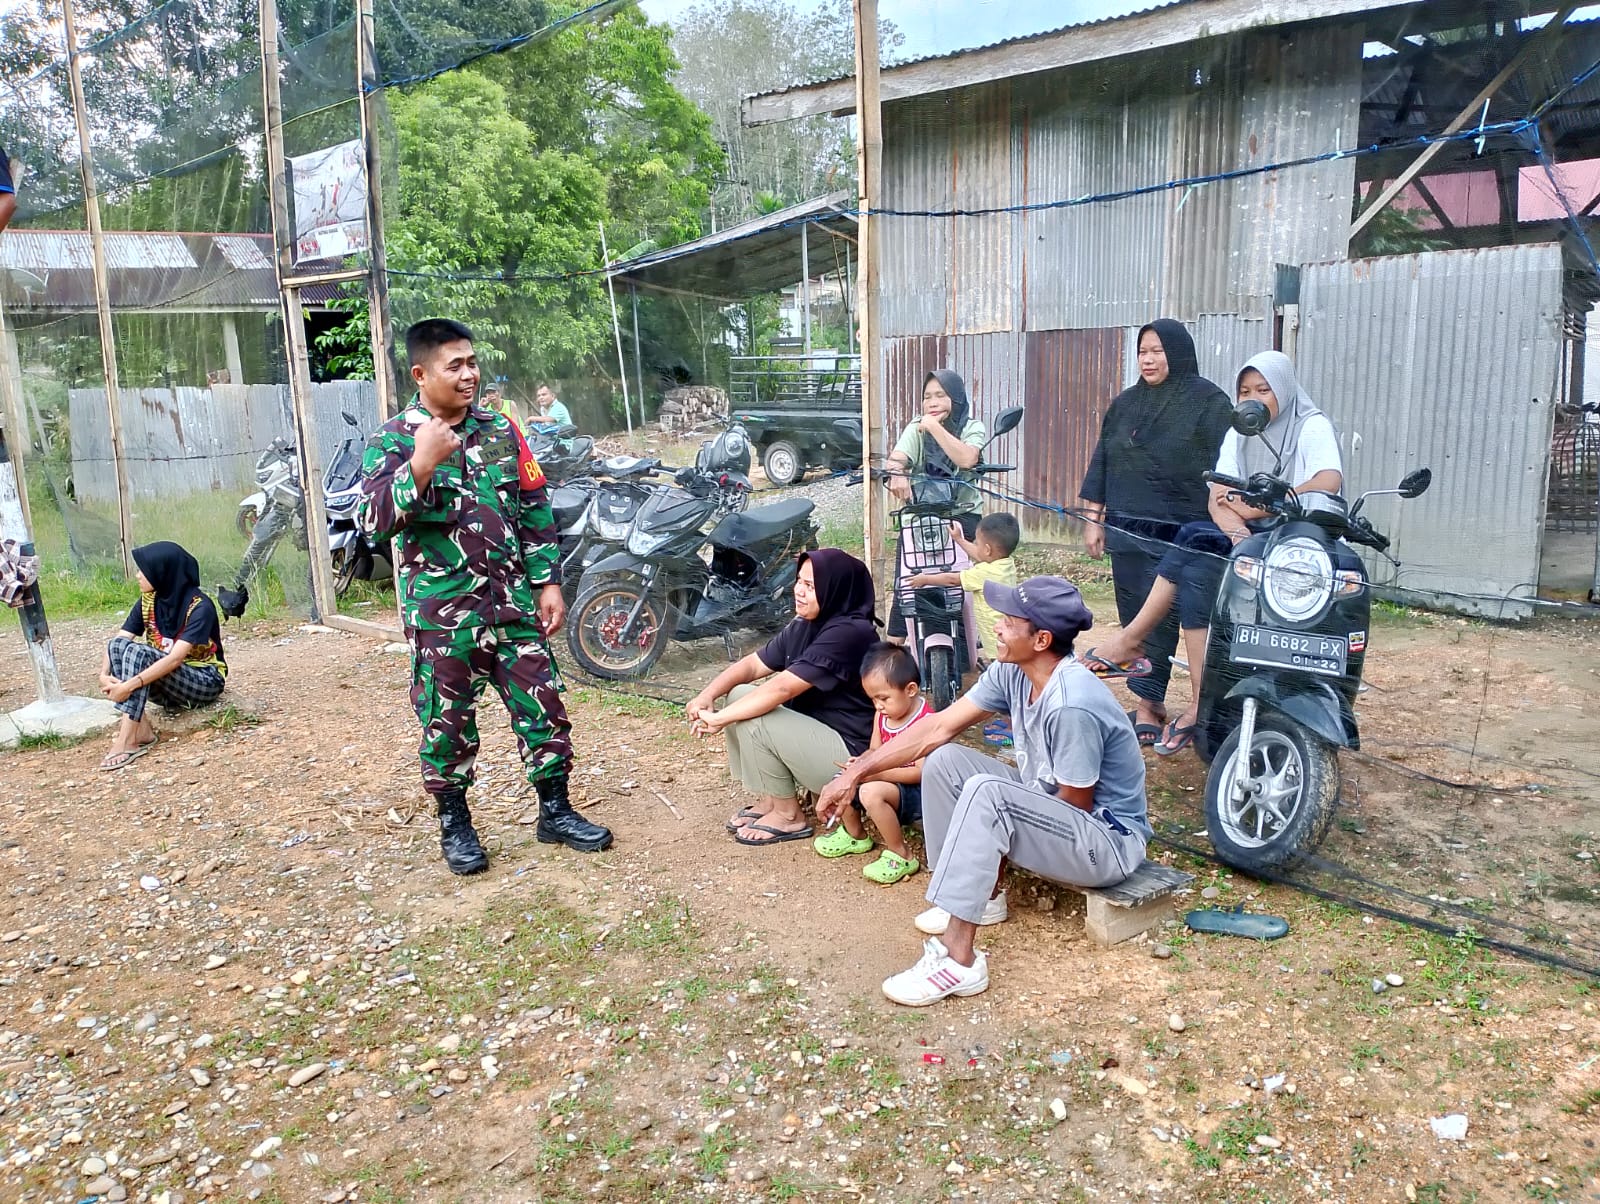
[(1250, 418), (349, 417), (1416, 483), (1007, 420)]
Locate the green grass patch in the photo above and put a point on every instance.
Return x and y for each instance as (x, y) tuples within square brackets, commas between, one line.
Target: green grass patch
[(35, 741), (231, 717)]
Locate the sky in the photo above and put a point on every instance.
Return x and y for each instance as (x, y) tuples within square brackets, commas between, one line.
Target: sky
[(942, 26)]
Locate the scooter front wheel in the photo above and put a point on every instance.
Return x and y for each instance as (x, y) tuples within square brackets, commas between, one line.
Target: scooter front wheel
[(941, 675), (595, 630), (1290, 796)]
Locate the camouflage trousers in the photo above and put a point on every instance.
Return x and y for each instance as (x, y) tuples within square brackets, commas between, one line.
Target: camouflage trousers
[(448, 672)]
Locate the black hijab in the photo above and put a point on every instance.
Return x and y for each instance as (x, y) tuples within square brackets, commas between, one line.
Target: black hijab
[(1156, 440), (936, 462), (840, 635), (175, 575)]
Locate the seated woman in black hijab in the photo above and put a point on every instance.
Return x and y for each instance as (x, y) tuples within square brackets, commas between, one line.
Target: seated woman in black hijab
[(168, 651), (808, 715)]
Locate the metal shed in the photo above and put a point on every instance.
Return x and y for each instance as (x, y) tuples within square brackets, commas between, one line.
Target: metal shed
[(1043, 198)]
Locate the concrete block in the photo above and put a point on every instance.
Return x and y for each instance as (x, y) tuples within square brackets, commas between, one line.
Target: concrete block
[(73, 717), (1108, 924)]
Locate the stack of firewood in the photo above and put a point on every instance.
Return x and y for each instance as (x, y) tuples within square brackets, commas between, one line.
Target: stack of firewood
[(691, 406)]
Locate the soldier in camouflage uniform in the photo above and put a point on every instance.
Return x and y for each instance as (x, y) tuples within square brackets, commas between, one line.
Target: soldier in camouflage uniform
[(454, 485)]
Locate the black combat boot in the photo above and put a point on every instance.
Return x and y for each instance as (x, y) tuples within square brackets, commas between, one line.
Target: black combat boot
[(560, 824), (463, 852)]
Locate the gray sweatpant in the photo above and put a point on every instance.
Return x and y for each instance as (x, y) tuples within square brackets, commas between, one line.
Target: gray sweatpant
[(976, 810)]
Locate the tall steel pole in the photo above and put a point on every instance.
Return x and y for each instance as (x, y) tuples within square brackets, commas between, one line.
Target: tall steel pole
[(378, 277)]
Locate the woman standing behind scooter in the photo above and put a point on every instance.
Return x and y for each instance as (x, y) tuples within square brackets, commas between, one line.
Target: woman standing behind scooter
[(946, 442), (1144, 483)]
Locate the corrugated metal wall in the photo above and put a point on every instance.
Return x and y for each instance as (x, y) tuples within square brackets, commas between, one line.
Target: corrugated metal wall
[(1219, 105), (185, 441), (1223, 342), (1071, 377), (1448, 360)]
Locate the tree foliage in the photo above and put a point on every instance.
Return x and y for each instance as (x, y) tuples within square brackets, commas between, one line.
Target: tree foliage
[(732, 48)]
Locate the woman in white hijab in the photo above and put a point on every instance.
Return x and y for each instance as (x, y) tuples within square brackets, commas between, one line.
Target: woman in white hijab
[(1298, 445)]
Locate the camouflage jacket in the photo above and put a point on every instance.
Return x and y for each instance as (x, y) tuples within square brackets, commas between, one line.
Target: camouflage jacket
[(475, 546)]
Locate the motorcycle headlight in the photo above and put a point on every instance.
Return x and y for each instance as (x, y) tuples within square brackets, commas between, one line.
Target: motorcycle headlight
[(646, 543), (610, 529), (1297, 579)]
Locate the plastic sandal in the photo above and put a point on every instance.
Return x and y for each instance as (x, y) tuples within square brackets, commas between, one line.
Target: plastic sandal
[(840, 843), (1238, 923), (733, 825), (1146, 733), (1139, 666), (1175, 739), (776, 835), (890, 868)]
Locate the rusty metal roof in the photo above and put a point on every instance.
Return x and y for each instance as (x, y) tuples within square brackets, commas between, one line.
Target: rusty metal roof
[(52, 272)]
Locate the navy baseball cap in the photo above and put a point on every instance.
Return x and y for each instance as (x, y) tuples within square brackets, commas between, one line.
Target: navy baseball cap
[(1051, 604)]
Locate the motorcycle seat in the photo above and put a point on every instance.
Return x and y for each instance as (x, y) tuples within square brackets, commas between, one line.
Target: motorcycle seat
[(740, 530)]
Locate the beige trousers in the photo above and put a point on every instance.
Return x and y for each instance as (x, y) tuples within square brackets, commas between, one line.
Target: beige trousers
[(783, 751)]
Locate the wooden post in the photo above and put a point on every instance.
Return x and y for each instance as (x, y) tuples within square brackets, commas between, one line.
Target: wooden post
[(869, 172), (294, 320), (378, 319), (378, 276), (638, 352), (102, 292), (230, 345), (13, 413), (616, 329), (805, 286)]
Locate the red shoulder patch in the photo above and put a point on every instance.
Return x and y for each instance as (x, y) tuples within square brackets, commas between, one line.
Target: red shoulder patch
[(528, 470)]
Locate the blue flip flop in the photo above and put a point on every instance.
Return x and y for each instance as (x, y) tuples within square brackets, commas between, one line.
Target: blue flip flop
[(1238, 923)]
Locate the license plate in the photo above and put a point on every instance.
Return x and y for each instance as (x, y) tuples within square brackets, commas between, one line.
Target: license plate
[(1322, 654)]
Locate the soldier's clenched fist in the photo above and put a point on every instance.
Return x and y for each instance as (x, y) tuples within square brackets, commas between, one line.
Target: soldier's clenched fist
[(436, 443)]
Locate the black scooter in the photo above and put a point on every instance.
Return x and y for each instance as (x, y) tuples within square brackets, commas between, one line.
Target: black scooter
[(676, 581), (1288, 639)]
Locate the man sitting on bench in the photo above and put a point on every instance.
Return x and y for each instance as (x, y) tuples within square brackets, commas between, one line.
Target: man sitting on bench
[(1072, 811)]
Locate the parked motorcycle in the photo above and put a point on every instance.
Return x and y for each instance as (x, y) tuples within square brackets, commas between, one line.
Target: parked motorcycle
[(939, 627), (280, 508), (676, 580), (1288, 641), (594, 512), (563, 454)]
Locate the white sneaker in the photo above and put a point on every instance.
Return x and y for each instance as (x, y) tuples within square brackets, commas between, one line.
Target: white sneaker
[(936, 975), (936, 919)]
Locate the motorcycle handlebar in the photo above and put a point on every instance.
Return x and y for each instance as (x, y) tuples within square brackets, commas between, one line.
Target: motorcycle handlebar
[(1217, 478)]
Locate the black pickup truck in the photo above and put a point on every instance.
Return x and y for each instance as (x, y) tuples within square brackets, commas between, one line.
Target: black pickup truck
[(801, 412)]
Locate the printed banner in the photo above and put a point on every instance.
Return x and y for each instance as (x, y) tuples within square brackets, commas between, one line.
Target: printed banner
[(330, 202)]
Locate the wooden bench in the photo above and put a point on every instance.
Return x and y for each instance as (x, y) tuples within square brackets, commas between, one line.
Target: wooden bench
[(1136, 904)]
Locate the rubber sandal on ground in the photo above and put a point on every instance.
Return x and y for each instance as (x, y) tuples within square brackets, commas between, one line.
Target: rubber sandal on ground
[(775, 835), (119, 760), (890, 868), (840, 843), (733, 825), (998, 732), (1139, 666), (1175, 739), (1147, 733), (1238, 923)]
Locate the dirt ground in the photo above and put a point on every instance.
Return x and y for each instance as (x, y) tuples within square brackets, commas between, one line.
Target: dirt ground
[(238, 970)]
